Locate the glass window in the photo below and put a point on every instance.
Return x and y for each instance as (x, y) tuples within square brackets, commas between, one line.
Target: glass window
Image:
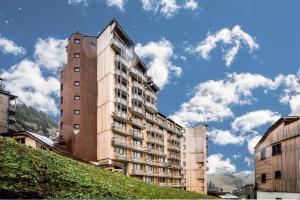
[(76, 126), (76, 97), (277, 174), (76, 69), (77, 41), (276, 149), (137, 166), (77, 83), (120, 151), (76, 55), (263, 154), (76, 112), (136, 154)]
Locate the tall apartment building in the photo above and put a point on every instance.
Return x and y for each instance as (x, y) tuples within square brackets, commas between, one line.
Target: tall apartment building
[(277, 163), (194, 154), (7, 110), (109, 110)]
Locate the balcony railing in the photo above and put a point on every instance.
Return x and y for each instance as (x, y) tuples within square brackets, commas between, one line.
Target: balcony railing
[(155, 130), (121, 49), (175, 157), (121, 100), (122, 60), (120, 129), (137, 110), (123, 143), (151, 107), (121, 73), (173, 138), (174, 147), (123, 157), (138, 97), (123, 116), (121, 87), (137, 122), (12, 108), (138, 85), (134, 71), (155, 151), (155, 140), (137, 135), (139, 172)]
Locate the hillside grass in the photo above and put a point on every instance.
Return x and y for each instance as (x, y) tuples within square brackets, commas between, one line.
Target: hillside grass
[(37, 173)]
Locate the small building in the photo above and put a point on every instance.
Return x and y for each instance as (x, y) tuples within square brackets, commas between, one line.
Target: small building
[(277, 170), (32, 139)]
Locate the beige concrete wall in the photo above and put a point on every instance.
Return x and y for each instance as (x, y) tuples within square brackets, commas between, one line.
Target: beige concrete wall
[(195, 158)]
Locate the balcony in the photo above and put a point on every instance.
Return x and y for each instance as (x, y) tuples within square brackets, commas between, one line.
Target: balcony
[(138, 85), (150, 118), (121, 143), (154, 151), (121, 87), (120, 129), (173, 147), (177, 185), (137, 135), (174, 157), (11, 127), (138, 147), (12, 108), (122, 157), (155, 130), (121, 73), (121, 116), (173, 138), (174, 166), (155, 141), (151, 107), (11, 118), (137, 122), (137, 110), (120, 59), (138, 97), (137, 74), (121, 101), (121, 49), (139, 172)]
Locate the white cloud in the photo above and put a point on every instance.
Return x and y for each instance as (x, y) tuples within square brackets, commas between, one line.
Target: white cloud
[(249, 161), (295, 105), (218, 165), (252, 142), (117, 3), (51, 53), (167, 8), (234, 39), (191, 4), (247, 177), (10, 47), (78, 2), (212, 100), (26, 80), (160, 55), (251, 120), (222, 137), (236, 156)]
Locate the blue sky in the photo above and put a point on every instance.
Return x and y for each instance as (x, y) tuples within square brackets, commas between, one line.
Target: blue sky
[(230, 64)]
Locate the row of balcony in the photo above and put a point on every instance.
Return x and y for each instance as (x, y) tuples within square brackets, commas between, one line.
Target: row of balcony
[(172, 184), (155, 173), (173, 147), (162, 124), (119, 47), (155, 140), (123, 130)]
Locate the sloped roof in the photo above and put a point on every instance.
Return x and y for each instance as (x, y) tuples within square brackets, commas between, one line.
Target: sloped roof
[(285, 119)]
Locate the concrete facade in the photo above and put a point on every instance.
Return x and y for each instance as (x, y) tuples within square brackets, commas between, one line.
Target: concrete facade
[(194, 154)]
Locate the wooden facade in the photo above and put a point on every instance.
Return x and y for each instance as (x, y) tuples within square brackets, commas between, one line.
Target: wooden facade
[(277, 157), (79, 97)]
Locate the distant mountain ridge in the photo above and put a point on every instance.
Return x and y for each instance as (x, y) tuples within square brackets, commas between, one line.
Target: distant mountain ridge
[(33, 120)]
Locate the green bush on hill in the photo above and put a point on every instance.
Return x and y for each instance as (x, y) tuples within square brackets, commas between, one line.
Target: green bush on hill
[(30, 173)]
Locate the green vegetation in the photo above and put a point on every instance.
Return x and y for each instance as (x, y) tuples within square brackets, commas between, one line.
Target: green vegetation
[(30, 173), (30, 119)]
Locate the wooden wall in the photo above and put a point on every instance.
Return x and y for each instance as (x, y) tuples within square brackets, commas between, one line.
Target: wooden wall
[(287, 162)]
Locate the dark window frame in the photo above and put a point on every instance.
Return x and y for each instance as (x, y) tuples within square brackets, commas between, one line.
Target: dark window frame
[(76, 39), (76, 126), (75, 55), (76, 69), (276, 149), (75, 83), (75, 97), (277, 174), (76, 112), (263, 178)]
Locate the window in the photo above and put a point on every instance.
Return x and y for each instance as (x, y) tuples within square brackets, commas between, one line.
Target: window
[(76, 55), (76, 97), (61, 112), (263, 178), (77, 83), (120, 151), (184, 163), (76, 69), (137, 143), (161, 179), (77, 41), (277, 174), (136, 154), (61, 125), (21, 140), (137, 166), (276, 149), (148, 179), (149, 168), (263, 154), (61, 100), (76, 112), (76, 126), (61, 87)]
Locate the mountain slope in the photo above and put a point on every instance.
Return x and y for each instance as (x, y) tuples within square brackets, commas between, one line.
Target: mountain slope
[(30, 173), (30, 119)]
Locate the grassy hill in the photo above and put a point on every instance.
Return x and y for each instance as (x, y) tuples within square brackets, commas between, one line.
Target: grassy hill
[(30, 173), (30, 119)]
